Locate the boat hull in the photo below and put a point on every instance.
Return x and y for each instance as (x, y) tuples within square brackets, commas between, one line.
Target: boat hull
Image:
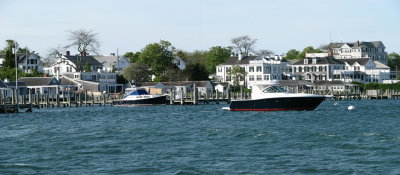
[(161, 100), (277, 104)]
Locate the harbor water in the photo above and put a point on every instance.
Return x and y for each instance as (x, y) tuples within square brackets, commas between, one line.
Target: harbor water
[(203, 139)]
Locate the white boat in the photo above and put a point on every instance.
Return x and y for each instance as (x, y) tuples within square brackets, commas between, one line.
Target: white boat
[(140, 97), (272, 97)]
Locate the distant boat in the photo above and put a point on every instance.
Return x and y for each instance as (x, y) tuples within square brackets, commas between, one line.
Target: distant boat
[(139, 97), (272, 97)]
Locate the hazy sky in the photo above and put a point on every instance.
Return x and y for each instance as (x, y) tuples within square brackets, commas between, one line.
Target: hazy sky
[(279, 25)]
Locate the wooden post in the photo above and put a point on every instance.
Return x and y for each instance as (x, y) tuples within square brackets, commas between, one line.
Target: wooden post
[(47, 100), (182, 101), (216, 96), (58, 100), (69, 98), (195, 94), (4, 97), (229, 94), (171, 97), (92, 99), (12, 96), (85, 97)]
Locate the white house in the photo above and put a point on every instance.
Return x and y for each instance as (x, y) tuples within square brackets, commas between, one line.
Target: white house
[(178, 61), (363, 70), (316, 67), (258, 69), (94, 81), (68, 63), (26, 61), (118, 63), (352, 50)]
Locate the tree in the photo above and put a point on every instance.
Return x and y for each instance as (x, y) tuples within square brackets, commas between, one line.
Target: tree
[(264, 53), (84, 41), (394, 61), (87, 66), (215, 56), (9, 60), (133, 57), (292, 54), (158, 56), (237, 73), (52, 55), (137, 72), (309, 49), (244, 44), (195, 72)]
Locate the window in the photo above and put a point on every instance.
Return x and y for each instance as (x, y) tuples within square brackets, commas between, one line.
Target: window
[(251, 77), (259, 78), (228, 69), (305, 61), (251, 69), (266, 77), (258, 69), (220, 69), (228, 78), (314, 61), (320, 68)]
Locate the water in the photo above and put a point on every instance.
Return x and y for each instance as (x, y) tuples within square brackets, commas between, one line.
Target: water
[(203, 140)]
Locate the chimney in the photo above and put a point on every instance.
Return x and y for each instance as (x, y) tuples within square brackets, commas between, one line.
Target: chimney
[(240, 56), (67, 53), (330, 52), (358, 43)]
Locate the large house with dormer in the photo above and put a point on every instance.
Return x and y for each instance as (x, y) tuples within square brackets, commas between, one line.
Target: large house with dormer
[(257, 69), (72, 63), (26, 61), (363, 70), (352, 50), (112, 62), (316, 67)]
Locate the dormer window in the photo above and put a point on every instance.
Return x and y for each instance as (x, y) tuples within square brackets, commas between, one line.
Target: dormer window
[(305, 61), (314, 61)]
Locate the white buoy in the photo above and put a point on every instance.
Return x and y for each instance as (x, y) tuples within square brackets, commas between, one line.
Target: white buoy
[(351, 108), (336, 103)]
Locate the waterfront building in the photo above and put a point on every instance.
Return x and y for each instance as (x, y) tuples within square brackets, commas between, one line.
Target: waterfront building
[(352, 50), (112, 63), (316, 67), (72, 63), (26, 61), (94, 81), (363, 70), (46, 85), (257, 69)]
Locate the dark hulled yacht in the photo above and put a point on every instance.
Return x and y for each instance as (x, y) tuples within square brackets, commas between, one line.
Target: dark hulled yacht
[(139, 97), (272, 97)]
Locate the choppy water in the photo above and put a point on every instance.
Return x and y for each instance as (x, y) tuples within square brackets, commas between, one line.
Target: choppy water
[(203, 140)]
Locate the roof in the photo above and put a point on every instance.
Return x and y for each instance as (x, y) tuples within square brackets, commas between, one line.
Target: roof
[(90, 59), (107, 61), (39, 81), (234, 60), (294, 82), (371, 44), (380, 65), (320, 60), (12, 84), (361, 61)]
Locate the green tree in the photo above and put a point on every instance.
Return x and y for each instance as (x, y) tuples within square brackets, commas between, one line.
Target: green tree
[(9, 60), (157, 56), (215, 56), (9, 73), (292, 54), (195, 72), (137, 72), (394, 61), (309, 49), (237, 74), (87, 66), (133, 57)]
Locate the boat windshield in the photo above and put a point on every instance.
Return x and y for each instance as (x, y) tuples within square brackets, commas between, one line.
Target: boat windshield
[(274, 89), (139, 92)]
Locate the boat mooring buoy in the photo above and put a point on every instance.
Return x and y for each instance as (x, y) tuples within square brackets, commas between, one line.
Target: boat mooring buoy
[(351, 108)]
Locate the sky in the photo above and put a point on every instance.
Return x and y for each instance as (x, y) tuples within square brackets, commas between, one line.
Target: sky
[(129, 25)]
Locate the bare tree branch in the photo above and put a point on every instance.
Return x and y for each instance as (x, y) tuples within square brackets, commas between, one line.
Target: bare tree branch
[(244, 44)]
